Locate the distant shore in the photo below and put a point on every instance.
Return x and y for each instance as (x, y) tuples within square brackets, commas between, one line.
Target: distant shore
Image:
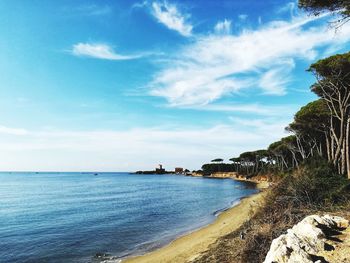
[(260, 181), (190, 246)]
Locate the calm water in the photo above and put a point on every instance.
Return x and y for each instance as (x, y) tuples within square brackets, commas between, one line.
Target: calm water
[(69, 217)]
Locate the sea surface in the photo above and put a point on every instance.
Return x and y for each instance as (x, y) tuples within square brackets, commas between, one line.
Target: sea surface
[(72, 217)]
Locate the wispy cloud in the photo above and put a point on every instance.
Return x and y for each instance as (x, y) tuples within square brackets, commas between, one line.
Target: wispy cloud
[(12, 131), (170, 16), (264, 125), (95, 10), (290, 7), (142, 148), (88, 10), (100, 51), (253, 109), (217, 65), (274, 80), (223, 27), (140, 4), (242, 17)]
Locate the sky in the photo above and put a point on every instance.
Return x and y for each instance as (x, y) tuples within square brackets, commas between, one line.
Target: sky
[(122, 85)]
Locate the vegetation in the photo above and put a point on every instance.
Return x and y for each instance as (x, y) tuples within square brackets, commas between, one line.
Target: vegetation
[(314, 187), (314, 160), (316, 7), (321, 128), (210, 168), (218, 160), (333, 87)]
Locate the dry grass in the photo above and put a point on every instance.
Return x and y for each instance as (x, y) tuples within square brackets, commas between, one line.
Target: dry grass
[(309, 190)]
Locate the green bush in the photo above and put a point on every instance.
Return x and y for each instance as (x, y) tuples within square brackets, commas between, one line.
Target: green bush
[(318, 184), (314, 188)]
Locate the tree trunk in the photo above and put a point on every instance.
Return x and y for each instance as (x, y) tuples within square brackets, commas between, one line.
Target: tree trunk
[(295, 160), (284, 163), (343, 160), (300, 147), (340, 145), (328, 147), (332, 148), (347, 148)]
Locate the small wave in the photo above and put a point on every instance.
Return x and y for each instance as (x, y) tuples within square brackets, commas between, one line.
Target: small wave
[(218, 212)]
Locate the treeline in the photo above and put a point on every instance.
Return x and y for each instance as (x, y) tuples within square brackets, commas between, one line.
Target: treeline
[(316, 186), (321, 128)]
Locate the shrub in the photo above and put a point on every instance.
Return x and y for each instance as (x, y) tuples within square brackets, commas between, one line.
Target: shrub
[(314, 188)]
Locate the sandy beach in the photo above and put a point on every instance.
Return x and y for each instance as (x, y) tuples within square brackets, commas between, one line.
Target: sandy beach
[(188, 247)]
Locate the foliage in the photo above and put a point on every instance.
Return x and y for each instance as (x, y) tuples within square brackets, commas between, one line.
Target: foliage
[(320, 128), (313, 159), (210, 168), (333, 87), (314, 187), (317, 184), (317, 7), (218, 160), (314, 117)]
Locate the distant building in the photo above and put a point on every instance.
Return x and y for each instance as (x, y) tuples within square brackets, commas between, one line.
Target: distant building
[(179, 170), (160, 170)]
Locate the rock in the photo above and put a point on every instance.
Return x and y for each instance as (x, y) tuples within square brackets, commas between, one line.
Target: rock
[(340, 222), (305, 240)]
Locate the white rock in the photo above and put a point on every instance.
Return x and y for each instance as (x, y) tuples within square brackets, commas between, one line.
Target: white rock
[(303, 239), (339, 221)]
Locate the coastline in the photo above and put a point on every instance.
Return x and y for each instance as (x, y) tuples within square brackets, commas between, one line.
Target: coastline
[(189, 246), (260, 182)]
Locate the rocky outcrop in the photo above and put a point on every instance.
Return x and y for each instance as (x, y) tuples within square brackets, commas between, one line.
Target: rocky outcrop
[(306, 241)]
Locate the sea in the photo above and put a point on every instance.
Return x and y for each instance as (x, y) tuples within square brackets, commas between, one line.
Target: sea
[(87, 217)]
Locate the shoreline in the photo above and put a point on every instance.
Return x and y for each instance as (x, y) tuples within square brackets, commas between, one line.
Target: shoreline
[(258, 181), (190, 245)]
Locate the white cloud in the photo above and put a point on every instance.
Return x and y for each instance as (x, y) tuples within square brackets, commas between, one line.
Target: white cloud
[(12, 131), (262, 125), (139, 4), (216, 65), (290, 7), (243, 17), (100, 51), (169, 15), (274, 80), (223, 27), (130, 150)]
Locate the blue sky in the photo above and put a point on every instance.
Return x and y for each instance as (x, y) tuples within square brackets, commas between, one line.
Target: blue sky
[(125, 85)]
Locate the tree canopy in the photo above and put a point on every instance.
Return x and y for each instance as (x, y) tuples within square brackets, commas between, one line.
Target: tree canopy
[(333, 87), (218, 160), (317, 7), (320, 128)]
